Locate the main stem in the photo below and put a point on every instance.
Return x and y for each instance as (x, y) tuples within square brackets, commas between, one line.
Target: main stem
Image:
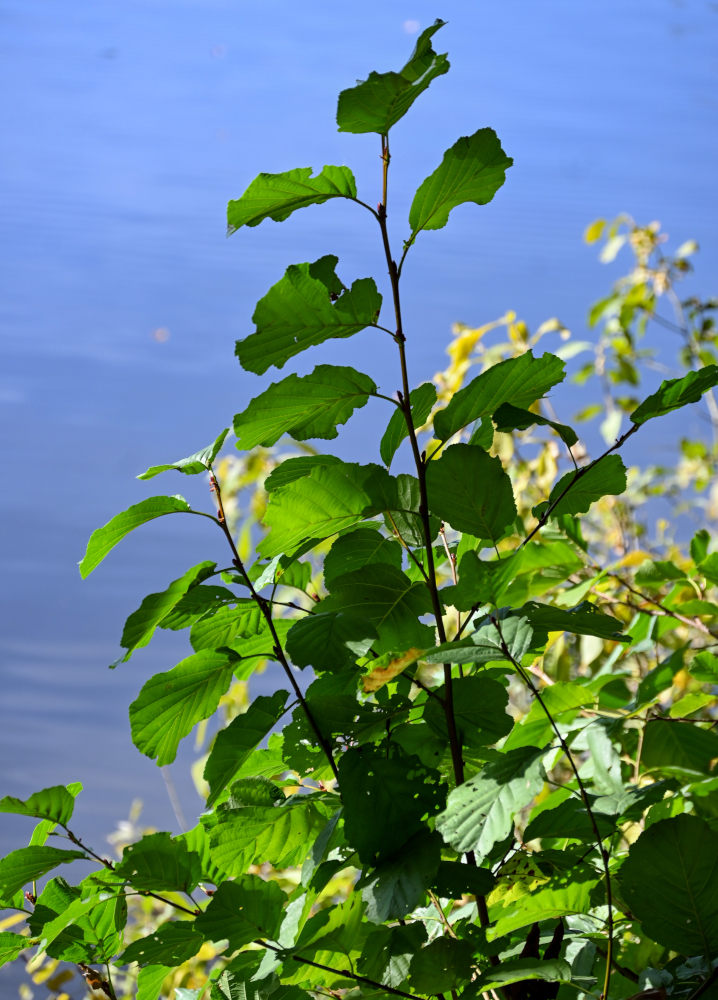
[(420, 463)]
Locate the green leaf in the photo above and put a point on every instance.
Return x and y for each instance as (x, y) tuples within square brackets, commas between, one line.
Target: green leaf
[(170, 704), (377, 103), (398, 885), (668, 881), (379, 817), (480, 813), (141, 624), (104, 539), (584, 619), (280, 835), (543, 899), (421, 401), (388, 601), (455, 878), (357, 549), (243, 910), (520, 381), (296, 468), (442, 965), (330, 641), (513, 418), (27, 864), (485, 645), (160, 862), (669, 746), (233, 745), (406, 519), (388, 953), (568, 819), (150, 980), (473, 169), (479, 710), (193, 465), (306, 307), (576, 491), (329, 499), (517, 970), (54, 804), (563, 700), (675, 393), (308, 407), (469, 489), (11, 945), (276, 196), (171, 944)]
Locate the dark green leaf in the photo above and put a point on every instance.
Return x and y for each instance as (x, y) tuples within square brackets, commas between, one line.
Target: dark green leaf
[(171, 944), (454, 879), (306, 307), (276, 196), (481, 581), (668, 881), (170, 704), (398, 885), (584, 619), (377, 103), (160, 862), (104, 539), (387, 600), (442, 965), (472, 170), (520, 381), (406, 519), (676, 392), (421, 401), (55, 804), (678, 745), (193, 464), (388, 953), (330, 641), (479, 710), (379, 817), (470, 490), (308, 407), (140, 626), (568, 819), (576, 491), (513, 418), (517, 970), (358, 549), (27, 864), (480, 812), (233, 745), (243, 910)]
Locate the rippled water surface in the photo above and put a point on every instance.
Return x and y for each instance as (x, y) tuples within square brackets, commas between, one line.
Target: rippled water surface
[(125, 129)]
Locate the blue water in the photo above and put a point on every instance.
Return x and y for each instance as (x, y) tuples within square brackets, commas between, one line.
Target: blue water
[(125, 128)]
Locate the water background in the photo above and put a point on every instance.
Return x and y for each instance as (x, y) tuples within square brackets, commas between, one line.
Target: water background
[(125, 129)]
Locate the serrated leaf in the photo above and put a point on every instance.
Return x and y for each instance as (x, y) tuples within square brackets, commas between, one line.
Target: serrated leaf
[(11, 945), (194, 464), (668, 880), (387, 600), (309, 407), (584, 619), (486, 644), (566, 893), (358, 549), (276, 196), (171, 944), (160, 862), (280, 835), (170, 704), (480, 813), (329, 641), (517, 970), (520, 381), (576, 491), (379, 817), (472, 170), (470, 490), (256, 791), (243, 910), (479, 711), (54, 804), (233, 745), (396, 886), (388, 953), (323, 502), (668, 746), (104, 539), (27, 864), (675, 393), (306, 307), (421, 401), (513, 418), (141, 624), (377, 103)]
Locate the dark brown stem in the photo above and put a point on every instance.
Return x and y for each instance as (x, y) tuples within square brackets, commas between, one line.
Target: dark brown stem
[(265, 608)]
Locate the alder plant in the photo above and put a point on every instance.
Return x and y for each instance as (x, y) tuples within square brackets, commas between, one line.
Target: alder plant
[(490, 772)]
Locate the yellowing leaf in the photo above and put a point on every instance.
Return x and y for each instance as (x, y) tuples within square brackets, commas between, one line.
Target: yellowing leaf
[(381, 675)]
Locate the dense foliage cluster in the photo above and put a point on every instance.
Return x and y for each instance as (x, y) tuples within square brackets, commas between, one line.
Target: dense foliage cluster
[(495, 776)]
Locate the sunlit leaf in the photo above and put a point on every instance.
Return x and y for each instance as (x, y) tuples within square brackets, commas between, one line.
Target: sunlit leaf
[(472, 170), (486, 644), (675, 393), (104, 539), (243, 910), (330, 640), (55, 804), (276, 196), (470, 490), (421, 401), (378, 102), (520, 381), (194, 464), (19, 868), (171, 944), (576, 491), (280, 834), (308, 407), (306, 307), (170, 704), (150, 980), (358, 549), (160, 862), (517, 970), (11, 945)]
